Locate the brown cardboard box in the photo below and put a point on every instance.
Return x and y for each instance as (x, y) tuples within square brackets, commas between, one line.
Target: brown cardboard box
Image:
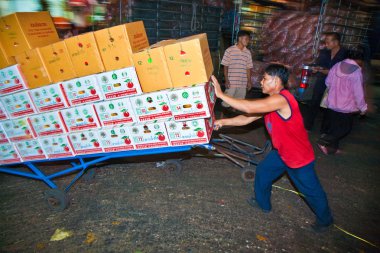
[(189, 60), (116, 44), (57, 62), (33, 68), (5, 61), (22, 31), (84, 54), (152, 69)]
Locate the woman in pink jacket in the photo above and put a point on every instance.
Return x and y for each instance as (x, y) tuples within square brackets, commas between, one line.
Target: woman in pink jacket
[(345, 97)]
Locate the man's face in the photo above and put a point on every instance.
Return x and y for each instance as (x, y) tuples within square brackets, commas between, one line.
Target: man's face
[(244, 40), (331, 42), (268, 83)]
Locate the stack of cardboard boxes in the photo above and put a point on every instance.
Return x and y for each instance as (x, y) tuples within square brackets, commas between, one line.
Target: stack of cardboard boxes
[(102, 91)]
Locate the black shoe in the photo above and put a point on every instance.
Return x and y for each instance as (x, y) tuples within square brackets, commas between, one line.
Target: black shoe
[(319, 228), (252, 202)]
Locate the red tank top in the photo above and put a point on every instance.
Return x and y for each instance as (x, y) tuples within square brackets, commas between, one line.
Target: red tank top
[(289, 136)]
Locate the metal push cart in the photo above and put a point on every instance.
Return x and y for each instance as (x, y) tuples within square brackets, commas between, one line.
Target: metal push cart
[(58, 199)]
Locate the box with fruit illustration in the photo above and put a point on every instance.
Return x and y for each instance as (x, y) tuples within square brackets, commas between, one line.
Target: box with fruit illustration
[(3, 113), (30, 150), (80, 118), (193, 102), (149, 135), (18, 104), (12, 80), (87, 142), (57, 146), (119, 83), (82, 90), (151, 106), (3, 135), (115, 112), (49, 98), (19, 129), (9, 154), (117, 138), (197, 131), (48, 123)]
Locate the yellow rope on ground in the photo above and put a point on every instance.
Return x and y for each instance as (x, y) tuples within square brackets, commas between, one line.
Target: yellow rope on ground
[(336, 226)]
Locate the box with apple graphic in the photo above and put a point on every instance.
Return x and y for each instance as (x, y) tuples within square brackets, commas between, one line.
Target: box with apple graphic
[(48, 123), (18, 104), (3, 113), (49, 98), (12, 80), (117, 138), (9, 154), (30, 150), (115, 112), (80, 118), (3, 135), (150, 135), (87, 142), (57, 146), (19, 129), (82, 90)]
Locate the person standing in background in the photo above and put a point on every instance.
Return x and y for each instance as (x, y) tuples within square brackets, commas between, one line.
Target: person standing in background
[(237, 62)]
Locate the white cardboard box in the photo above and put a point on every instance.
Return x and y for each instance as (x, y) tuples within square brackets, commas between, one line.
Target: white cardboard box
[(18, 104), (87, 142), (80, 118), (82, 90), (57, 146), (3, 135), (119, 83), (3, 113), (151, 106), (30, 150), (115, 112), (49, 98), (9, 154), (48, 123), (149, 135), (19, 129), (194, 102), (12, 80), (117, 138)]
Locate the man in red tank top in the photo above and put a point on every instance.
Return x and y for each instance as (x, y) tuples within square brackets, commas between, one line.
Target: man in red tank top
[(292, 151)]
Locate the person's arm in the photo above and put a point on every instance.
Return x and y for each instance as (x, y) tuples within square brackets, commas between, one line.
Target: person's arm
[(358, 89), (226, 62), (225, 70), (258, 106), (240, 120), (249, 83)]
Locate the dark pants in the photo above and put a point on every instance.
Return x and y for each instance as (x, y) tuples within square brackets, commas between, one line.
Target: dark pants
[(313, 106), (335, 126), (304, 178)]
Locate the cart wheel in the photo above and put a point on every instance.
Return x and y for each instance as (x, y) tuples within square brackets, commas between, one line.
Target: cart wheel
[(248, 174), (173, 166), (56, 199), (89, 175)]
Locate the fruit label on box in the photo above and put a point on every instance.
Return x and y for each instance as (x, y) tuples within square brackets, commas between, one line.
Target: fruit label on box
[(119, 83), (9, 154), (192, 102), (12, 80), (3, 113), (116, 139), (115, 112), (3, 135), (48, 123), (85, 142), (19, 129), (57, 146), (82, 90), (30, 150), (49, 98), (18, 104), (190, 132), (151, 106), (80, 118), (149, 135)]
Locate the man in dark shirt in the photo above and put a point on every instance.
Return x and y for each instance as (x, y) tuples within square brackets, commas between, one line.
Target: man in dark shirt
[(328, 57)]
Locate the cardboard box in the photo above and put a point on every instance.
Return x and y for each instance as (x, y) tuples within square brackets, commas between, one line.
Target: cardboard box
[(57, 61), (115, 112), (3, 112), (189, 60), (33, 68), (12, 80), (116, 44), (82, 90), (3, 135), (9, 154), (119, 83), (87, 142), (192, 102), (152, 69), (22, 31), (18, 104), (80, 118), (84, 54), (197, 131), (5, 60), (49, 98), (116, 138), (19, 129), (151, 106), (31, 150), (150, 135), (57, 146), (48, 123)]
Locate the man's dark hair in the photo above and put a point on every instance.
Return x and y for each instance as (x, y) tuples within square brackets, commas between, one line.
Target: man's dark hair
[(280, 71), (334, 35), (243, 33)]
